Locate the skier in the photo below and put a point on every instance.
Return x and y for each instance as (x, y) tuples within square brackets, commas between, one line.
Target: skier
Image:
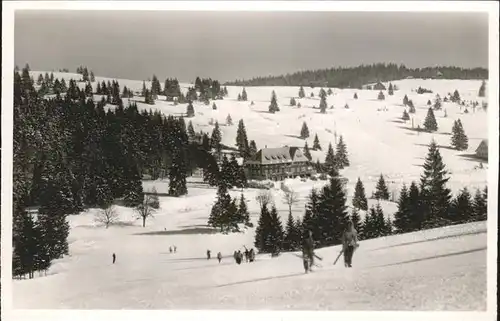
[(219, 256), (246, 255), (308, 251), (170, 249), (239, 257), (349, 243), (235, 256), (175, 249), (251, 255), (114, 258), (208, 254)]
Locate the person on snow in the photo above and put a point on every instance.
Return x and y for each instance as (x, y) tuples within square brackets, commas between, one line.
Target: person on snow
[(170, 249), (219, 256), (175, 249), (239, 257), (208, 254), (349, 243), (251, 255), (308, 251), (246, 255), (114, 258), (235, 255)]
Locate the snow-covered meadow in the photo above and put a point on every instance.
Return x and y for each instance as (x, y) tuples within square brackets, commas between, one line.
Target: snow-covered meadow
[(441, 269)]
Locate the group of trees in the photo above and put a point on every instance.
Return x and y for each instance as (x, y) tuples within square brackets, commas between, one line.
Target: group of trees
[(356, 77), (430, 204), (86, 76), (69, 153), (226, 214)]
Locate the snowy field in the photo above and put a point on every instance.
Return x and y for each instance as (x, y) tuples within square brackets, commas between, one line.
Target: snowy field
[(441, 269)]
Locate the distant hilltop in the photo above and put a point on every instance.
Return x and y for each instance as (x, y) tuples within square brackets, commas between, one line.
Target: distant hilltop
[(356, 77)]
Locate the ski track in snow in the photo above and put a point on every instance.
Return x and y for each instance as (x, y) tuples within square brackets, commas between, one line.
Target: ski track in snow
[(440, 269)]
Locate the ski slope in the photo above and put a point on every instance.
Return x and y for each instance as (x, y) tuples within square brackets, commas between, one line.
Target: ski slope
[(441, 269)]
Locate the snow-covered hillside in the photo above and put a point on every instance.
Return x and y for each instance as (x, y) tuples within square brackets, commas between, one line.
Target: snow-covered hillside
[(392, 273), (378, 141)]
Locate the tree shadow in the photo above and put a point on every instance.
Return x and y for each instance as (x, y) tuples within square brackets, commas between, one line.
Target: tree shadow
[(397, 121), (198, 230), (439, 146), (294, 136), (473, 157)]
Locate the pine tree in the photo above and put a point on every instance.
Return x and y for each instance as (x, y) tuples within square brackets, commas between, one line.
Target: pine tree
[(316, 145), (461, 207), (190, 110), (482, 89), (239, 97), (402, 217), (289, 240), (430, 123), (92, 76), (332, 212), (359, 200), (429, 102), (273, 107), (405, 116), (437, 102), (220, 214), (390, 90), (341, 156), (411, 107), (39, 80), (355, 96), (243, 214), (405, 100), (304, 132), (480, 206), (322, 104), (229, 120), (252, 149), (242, 140), (301, 92), (330, 160), (190, 131), (381, 96), (381, 191), (262, 229), (456, 97), (356, 219), (416, 215), (274, 240), (435, 197), (292, 101), (307, 153), (459, 140), (244, 96), (216, 138)]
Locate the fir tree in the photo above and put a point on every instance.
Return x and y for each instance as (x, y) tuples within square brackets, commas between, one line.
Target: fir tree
[(405, 100), (274, 240), (301, 92), (133, 191), (244, 96), (290, 237), (355, 96), (356, 219), (359, 200), (429, 102), (216, 138), (330, 161), (292, 101), (190, 131), (316, 145), (92, 76), (381, 191), (480, 206), (435, 197), (437, 102), (229, 120), (242, 140), (416, 216), (252, 148), (273, 107), (402, 217), (405, 116), (381, 96), (329, 92), (214, 106), (390, 90), (482, 89), (220, 214), (341, 156), (322, 104), (262, 229), (456, 97), (304, 132), (243, 214), (39, 80), (430, 123), (411, 107), (461, 207), (459, 140), (190, 110), (307, 153)]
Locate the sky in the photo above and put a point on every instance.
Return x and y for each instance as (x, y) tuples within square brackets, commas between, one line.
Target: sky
[(240, 45)]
